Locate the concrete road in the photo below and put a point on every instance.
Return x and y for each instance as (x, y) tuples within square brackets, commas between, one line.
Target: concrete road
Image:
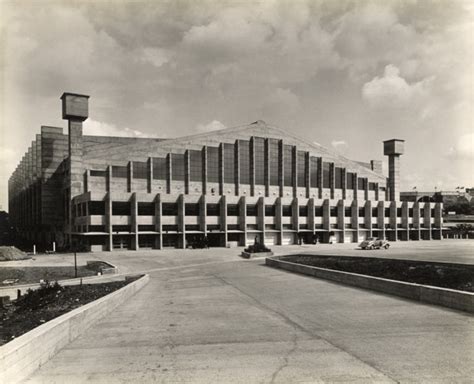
[(208, 316)]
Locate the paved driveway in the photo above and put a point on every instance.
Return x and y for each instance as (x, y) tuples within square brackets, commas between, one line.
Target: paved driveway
[(208, 316)]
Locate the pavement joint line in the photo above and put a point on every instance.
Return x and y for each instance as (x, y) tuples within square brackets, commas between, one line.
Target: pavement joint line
[(295, 326)]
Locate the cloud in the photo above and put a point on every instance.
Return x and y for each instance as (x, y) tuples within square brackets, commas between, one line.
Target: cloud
[(464, 148), (340, 145), (393, 91), (97, 128), (214, 125)]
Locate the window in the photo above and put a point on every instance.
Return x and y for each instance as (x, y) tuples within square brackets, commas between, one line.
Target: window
[(120, 208), (399, 212), (301, 167), (160, 169), (288, 165), (274, 166), (326, 175), (98, 173), (96, 207), (229, 163), (339, 175), (119, 171), (212, 210), (314, 172), (375, 212), (232, 210), (195, 165), (387, 212), (349, 180), (347, 211), (361, 183), (303, 211), (333, 211), (146, 209), (259, 165), (252, 210), (177, 166), (270, 210), (212, 164), (361, 212), (372, 186), (244, 153), (140, 170), (169, 209), (318, 211), (191, 209), (287, 210), (410, 212)]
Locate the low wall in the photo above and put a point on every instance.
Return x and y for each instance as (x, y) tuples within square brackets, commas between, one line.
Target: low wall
[(21, 357), (445, 297)]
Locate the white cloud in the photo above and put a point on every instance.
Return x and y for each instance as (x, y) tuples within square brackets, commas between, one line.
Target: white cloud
[(155, 56), (214, 125), (340, 145), (393, 91), (464, 148), (97, 128)]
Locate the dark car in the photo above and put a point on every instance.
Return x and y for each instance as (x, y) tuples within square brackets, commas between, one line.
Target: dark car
[(373, 243)]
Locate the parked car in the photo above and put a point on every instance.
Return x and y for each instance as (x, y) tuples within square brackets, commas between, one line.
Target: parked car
[(373, 243)]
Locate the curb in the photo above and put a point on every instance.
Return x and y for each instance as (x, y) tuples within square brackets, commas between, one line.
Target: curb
[(21, 357), (445, 297)]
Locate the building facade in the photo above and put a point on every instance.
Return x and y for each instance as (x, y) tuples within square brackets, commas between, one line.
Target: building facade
[(231, 186)]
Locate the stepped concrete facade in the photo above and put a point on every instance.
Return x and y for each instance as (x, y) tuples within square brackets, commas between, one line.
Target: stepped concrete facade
[(230, 186)]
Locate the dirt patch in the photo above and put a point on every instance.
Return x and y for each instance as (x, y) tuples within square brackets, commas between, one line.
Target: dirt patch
[(445, 275), (39, 306), (26, 275), (12, 253)]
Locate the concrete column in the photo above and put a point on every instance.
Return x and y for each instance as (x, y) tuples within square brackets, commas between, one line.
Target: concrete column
[(294, 177), (320, 177), (261, 216), (237, 167), (356, 185), (281, 167), (366, 189), (417, 219), (355, 220), (187, 173), (326, 215), (149, 178), (169, 177), (130, 177), (267, 168), (405, 220), (87, 177), (438, 222), (332, 173), (393, 219), (158, 227), (252, 166), (221, 169), (108, 178), (243, 217), (278, 219), (108, 221), (204, 170), (344, 183), (223, 217), (376, 191), (202, 214), (340, 220), (427, 221), (393, 149), (134, 220), (307, 174), (295, 214), (181, 225), (311, 214)]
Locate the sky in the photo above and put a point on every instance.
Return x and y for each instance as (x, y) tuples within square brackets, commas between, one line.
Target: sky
[(345, 74)]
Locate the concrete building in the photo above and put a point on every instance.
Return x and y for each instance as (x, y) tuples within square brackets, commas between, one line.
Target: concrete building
[(231, 186)]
